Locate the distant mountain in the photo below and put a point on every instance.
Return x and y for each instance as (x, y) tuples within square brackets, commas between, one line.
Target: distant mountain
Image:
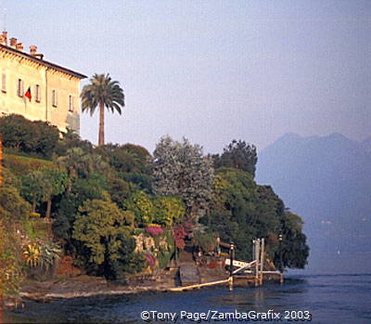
[(366, 144), (327, 181)]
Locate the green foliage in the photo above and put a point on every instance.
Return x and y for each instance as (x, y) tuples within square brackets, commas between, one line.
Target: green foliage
[(70, 139), (10, 179), (12, 207), (31, 254), (27, 136), (128, 158), (240, 196), (49, 253), (33, 188), (166, 248), (21, 165), (42, 185), (80, 164), (55, 182), (238, 155), (205, 241), (243, 211), (10, 261), (35, 229), (103, 229), (80, 191), (99, 194), (40, 256), (125, 261), (119, 191), (137, 180), (45, 140), (15, 130), (269, 209), (102, 90), (168, 210), (294, 251), (181, 169), (142, 207), (13, 214)]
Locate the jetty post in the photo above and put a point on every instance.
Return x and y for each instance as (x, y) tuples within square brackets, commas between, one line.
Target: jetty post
[(231, 257), (262, 242), (280, 238), (256, 252)]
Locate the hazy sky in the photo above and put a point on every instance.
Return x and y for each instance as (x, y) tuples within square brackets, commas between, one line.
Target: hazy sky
[(213, 70)]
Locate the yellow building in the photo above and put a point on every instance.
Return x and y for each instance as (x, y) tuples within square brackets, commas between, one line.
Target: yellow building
[(37, 89)]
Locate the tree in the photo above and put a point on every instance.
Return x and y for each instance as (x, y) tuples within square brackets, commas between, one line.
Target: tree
[(12, 207), (15, 130), (42, 256), (181, 170), (126, 158), (32, 187), (293, 252), (55, 184), (11, 265), (46, 139), (243, 211), (42, 185), (80, 164), (76, 163), (14, 212), (103, 228), (82, 189), (168, 210), (102, 92), (238, 155), (233, 214), (70, 139), (119, 191), (36, 137), (142, 207)]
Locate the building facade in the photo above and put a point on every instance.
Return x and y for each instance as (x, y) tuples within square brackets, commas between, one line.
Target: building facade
[(37, 89)]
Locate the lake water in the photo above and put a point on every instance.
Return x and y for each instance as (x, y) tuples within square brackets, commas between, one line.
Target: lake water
[(339, 298), (336, 288)]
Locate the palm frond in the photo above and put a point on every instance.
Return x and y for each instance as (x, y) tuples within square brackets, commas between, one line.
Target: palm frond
[(102, 89)]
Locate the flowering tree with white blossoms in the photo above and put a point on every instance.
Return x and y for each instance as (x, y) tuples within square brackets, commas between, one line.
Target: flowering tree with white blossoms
[(180, 169)]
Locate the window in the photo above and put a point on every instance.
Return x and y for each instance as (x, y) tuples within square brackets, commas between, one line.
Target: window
[(20, 88), (37, 93), (71, 103), (54, 98), (3, 82)]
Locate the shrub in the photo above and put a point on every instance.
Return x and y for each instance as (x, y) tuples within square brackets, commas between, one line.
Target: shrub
[(154, 230)]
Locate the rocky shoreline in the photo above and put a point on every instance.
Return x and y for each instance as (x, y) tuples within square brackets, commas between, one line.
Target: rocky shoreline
[(86, 286), (83, 286)]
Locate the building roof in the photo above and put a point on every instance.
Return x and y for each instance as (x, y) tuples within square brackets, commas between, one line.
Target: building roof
[(42, 62)]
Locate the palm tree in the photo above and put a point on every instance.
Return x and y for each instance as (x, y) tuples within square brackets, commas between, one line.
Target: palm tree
[(102, 92)]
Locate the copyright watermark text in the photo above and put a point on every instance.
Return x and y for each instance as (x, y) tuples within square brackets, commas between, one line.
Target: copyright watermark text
[(214, 315)]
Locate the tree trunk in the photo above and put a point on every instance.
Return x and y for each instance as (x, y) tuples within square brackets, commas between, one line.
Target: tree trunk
[(101, 124), (34, 205), (48, 208)]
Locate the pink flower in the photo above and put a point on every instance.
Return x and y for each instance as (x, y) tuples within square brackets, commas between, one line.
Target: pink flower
[(154, 231)]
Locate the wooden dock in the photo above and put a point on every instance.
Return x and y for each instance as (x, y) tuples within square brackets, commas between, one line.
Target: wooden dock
[(198, 286), (241, 273)]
